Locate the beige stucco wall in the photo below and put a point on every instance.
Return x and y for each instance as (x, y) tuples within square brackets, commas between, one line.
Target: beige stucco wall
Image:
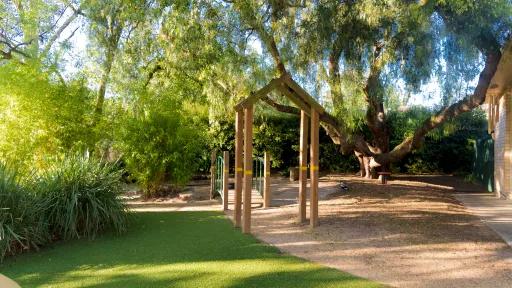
[(503, 149)]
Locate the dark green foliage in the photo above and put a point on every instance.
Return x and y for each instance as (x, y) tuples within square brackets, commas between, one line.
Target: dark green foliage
[(22, 223), (331, 158), (222, 135), (279, 135), (448, 149), (483, 167), (81, 198)]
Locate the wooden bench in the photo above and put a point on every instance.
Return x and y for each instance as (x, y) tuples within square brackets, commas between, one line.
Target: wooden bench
[(384, 177)]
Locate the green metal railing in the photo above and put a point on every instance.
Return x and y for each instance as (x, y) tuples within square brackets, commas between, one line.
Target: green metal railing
[(483, 167), (257, 174), (219, 176)]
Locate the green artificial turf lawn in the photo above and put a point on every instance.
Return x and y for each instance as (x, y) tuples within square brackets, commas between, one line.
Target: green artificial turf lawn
[(172, 249)]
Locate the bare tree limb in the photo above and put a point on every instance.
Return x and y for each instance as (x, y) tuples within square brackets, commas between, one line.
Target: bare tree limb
[(280, 107), (465, 105), (59, 31)]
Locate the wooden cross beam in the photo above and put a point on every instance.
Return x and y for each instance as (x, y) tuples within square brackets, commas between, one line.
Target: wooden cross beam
[(255, 96), (303, 94)]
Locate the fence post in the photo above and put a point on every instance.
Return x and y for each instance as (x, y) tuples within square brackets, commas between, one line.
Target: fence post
[(266, 186), (313, 200), (225, 182), (303, 165), (239, 166), (212, 173), (247, 191)]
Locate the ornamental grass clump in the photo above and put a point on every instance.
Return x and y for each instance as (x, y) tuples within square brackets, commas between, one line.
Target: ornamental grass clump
[(81, 197), (22, 223)]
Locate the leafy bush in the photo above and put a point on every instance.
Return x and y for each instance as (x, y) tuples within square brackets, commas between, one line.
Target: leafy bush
[(81, 198), (161, 145), (448, 149), (40, 118), (279, 135), (331, 158), (22, 223)]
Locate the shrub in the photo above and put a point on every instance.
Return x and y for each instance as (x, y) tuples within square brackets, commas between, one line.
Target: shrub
[(161, 147), (448, 149), (22, 225), (81, 197), (40, 117)]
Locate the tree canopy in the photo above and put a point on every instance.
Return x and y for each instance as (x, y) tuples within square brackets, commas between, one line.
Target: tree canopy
[(361, 59)]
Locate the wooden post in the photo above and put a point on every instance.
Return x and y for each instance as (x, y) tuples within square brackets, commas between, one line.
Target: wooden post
[(239, 166), (246, 225), (303, 162), (266, 182), (213, 157), (313, 205), (225, 181)]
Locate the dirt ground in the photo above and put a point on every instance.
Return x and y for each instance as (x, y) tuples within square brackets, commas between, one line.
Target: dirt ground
[(409, 233), (194, 197)]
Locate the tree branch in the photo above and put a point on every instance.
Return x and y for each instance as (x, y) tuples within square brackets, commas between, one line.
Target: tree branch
[(266, 37), (280, 107), (335, 130), (59, 31), (465, 105)]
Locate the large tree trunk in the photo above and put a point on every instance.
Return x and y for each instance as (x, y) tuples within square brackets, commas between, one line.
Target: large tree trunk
[(100, 99), (376, 115), (111, 49), (363, 167)]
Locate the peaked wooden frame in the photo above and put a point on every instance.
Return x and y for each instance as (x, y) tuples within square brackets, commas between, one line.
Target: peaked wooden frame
[(310, 112)]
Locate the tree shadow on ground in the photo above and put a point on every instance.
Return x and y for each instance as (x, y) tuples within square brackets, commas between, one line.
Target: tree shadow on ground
[(414, 233)]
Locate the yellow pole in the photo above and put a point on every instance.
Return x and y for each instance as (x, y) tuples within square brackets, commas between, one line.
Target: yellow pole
[(246, 227), (239, 167), (266, 185), (303, 162), (314, 169)]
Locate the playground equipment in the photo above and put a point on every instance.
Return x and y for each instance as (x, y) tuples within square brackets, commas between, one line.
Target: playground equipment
[(248, 171), (260, 178), (221, 179), (311, 111)]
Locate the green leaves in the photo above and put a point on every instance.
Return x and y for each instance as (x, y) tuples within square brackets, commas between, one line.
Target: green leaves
[(39, 118), (161, 140), (76, 197), (22, 225), (81, 198)]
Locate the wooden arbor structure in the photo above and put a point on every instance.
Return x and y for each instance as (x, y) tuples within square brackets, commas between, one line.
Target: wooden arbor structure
[(310, 112)]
